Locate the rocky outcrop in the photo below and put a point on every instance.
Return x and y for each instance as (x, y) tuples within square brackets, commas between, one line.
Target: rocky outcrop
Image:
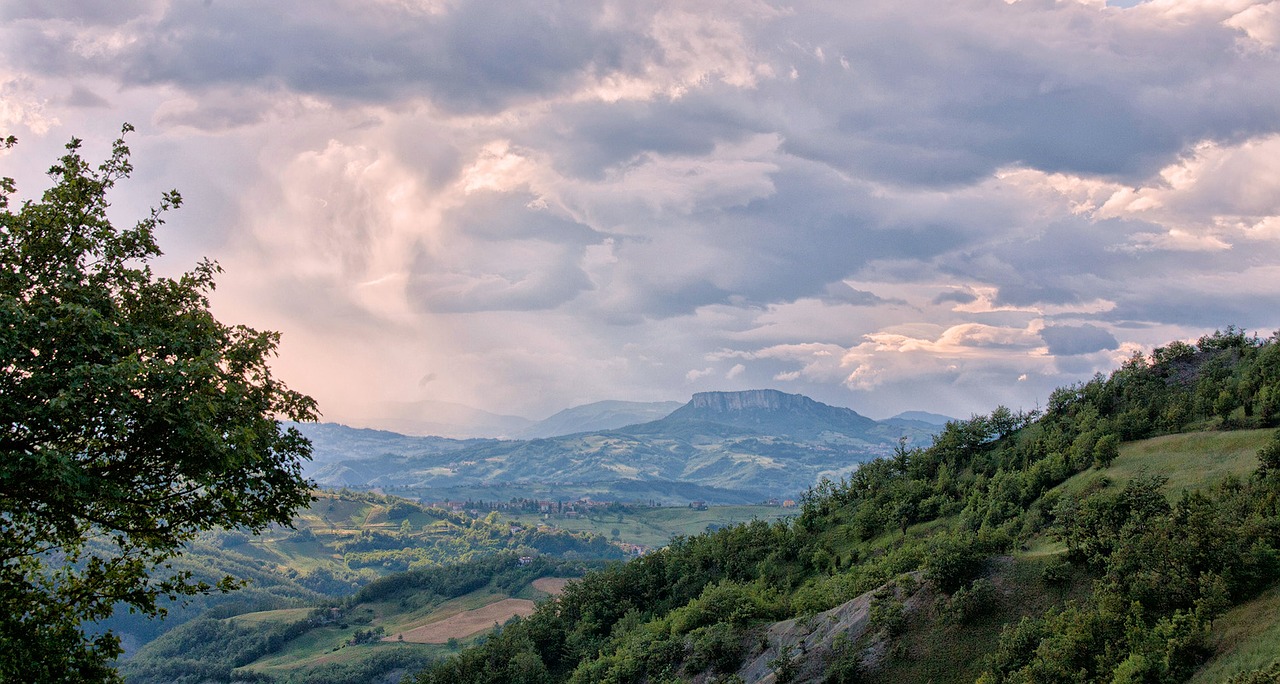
[(809, 641)]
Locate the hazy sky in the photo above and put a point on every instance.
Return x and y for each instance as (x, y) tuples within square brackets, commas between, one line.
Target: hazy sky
[(523, 205)]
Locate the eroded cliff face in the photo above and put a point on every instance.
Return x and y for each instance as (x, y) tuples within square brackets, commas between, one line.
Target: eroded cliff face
[(770, 400)]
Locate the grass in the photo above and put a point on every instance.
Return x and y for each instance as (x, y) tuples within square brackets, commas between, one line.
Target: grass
[(269, 616), (312, 652), (1189, 461), (1246, 638)]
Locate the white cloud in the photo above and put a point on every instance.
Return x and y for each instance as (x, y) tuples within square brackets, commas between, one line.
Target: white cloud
[(22, 108)]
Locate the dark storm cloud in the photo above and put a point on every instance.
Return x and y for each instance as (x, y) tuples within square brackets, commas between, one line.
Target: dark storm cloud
[(495, 217), (93, 13), (479, 56), (84, 98), (1073, 340), (955, 296), (1191, 305), (842, 293), (972, 87), (893, 196), (439, 287), (589, 138), (812, 231), (1046, 131), (521, 259)]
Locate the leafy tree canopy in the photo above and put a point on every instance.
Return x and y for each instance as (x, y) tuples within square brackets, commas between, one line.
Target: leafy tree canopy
[(130, 420)]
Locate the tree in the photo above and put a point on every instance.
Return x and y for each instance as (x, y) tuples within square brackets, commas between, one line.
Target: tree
[(131, 419), (1105, 451)]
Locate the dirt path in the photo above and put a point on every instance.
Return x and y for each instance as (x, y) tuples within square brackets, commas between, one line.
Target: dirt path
[(466, 623)]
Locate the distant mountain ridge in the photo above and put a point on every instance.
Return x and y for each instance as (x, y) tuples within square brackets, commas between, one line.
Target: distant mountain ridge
[(923, 417), (601, 415), (753, 444), (442, 419)]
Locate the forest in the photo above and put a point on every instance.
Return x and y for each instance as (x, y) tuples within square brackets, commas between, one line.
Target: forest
[(1140, 572)]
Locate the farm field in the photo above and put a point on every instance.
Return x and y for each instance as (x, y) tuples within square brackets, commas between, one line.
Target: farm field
[(466, 623)]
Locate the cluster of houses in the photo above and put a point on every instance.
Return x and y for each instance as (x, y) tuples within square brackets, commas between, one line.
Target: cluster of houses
[(569, 509)]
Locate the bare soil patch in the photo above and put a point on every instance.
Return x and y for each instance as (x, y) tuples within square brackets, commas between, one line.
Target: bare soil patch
[(551, 585), (466, 623)]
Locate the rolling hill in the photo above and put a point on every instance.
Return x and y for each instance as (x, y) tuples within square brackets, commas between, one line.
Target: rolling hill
[(601, 415)]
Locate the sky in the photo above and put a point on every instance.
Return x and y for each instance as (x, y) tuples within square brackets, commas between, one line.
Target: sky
[(526, 205)]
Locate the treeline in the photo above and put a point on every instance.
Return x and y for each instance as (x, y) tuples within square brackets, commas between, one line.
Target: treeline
[(448, 542), (1163, 570)]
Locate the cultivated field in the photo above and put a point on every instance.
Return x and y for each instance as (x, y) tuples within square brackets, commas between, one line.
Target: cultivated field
[(551, 585), (464, 624)]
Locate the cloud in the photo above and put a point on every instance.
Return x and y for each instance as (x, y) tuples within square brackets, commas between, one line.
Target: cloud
[(1072, 340), (896, 205)]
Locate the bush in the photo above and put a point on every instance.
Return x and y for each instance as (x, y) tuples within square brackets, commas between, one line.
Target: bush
[(967, 603), (1056, 573), (887, 612), (845, 663), (1267, 675), (718, 647), (953, 560)]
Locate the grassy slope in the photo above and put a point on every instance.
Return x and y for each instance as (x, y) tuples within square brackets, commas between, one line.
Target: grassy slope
[(1248, 637), (1190, 460)]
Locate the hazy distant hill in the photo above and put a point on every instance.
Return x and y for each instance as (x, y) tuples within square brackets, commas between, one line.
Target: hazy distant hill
[(443, 419), (601, 415), (922, 417), (334, 442), (731, 446)]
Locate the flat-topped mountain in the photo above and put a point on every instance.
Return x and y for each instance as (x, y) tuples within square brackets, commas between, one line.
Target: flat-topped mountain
[(751, 400), (773, 412)]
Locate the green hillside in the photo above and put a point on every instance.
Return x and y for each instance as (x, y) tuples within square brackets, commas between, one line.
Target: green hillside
[(1130, 532), (351, 639), (344, 541)]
